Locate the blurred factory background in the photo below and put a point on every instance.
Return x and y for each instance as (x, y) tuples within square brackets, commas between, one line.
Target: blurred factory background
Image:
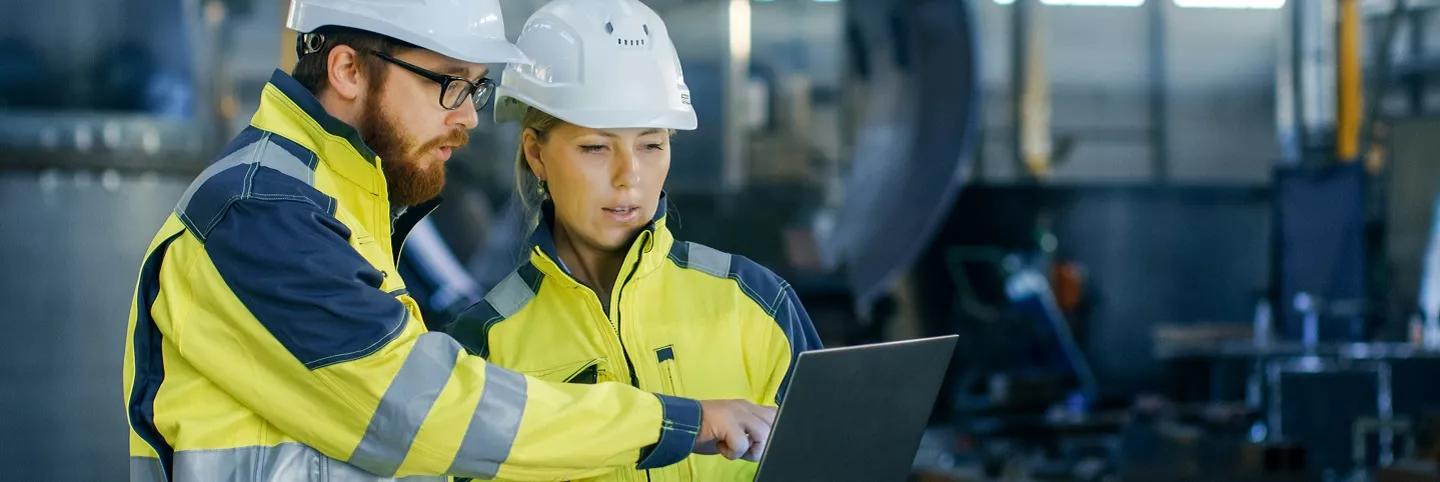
[(1180, 239)]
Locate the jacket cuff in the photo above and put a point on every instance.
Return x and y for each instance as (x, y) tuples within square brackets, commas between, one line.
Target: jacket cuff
[(678, 430)]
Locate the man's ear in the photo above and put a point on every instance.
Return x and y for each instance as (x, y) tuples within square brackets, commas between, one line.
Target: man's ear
[(530, 142), (345, 75)]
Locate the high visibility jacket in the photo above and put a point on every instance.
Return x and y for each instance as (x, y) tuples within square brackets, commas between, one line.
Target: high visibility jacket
[(683, 319), (270, 339)]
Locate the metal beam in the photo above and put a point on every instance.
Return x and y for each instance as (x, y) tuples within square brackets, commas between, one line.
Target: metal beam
[(1159, 94), (1383, 74), (1021, 13), (1297, 76), (1417, 52), (1348, 85)]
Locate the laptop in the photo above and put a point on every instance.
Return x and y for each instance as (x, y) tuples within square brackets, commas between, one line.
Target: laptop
[(856, 413)]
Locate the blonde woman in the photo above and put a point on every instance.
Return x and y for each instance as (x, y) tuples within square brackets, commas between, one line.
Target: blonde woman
[(607, 294)]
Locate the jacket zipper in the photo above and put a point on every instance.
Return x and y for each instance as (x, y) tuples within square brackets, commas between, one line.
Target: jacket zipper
[(620, 297), (615, 323)]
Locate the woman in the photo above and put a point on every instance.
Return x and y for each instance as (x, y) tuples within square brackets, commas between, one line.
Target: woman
[(608, 295)]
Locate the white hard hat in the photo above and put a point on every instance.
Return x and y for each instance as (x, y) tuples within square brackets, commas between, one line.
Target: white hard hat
[(602, 64), (467, 30)]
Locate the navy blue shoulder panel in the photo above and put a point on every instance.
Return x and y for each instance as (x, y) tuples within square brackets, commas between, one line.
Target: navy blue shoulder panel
[(297, 151), (276, 243), (291, 265), (758, 283), (680, 254), (472, 326), (247, 136), (772, 293), (258, 165)]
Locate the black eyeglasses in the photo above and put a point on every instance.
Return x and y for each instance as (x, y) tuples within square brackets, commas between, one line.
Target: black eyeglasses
[(453, 90)]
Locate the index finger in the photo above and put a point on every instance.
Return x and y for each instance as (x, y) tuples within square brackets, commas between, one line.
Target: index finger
[(757, 447)]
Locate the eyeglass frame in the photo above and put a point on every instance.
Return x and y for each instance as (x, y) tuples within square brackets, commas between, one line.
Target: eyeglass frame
[(483, 87)]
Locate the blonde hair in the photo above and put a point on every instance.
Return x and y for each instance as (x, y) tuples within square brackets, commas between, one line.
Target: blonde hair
[(532, 192)]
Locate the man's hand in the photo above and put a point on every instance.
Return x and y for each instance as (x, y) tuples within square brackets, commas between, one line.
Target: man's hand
[(734, 428)]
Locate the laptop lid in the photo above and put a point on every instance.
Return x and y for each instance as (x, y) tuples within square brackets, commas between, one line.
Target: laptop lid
[(856, 413)]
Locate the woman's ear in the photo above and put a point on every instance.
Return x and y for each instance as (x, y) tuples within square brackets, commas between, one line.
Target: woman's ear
[(530, 140)]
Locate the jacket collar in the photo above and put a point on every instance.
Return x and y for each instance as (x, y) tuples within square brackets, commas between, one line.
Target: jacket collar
[(651, 246), (288, 109), (405, 220)]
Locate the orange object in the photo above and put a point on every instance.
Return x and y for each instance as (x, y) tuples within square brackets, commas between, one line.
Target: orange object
[(1067, 279)]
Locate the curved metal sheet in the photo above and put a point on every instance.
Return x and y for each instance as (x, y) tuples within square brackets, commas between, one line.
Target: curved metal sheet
[(915, 142)]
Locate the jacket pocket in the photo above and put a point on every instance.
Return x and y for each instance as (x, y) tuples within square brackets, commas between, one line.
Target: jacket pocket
[(587, 375), (370, 249), (669, 371), (584, 371)]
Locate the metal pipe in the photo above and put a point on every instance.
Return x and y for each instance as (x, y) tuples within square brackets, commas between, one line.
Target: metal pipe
[(1349, 88), (1297, 76), (1020, 13), (1417, 54), (737, 63), (1159, 96), (1032, 116), (1383, 65)]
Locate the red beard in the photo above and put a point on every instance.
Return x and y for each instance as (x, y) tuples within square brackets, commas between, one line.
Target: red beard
[(408, 177)]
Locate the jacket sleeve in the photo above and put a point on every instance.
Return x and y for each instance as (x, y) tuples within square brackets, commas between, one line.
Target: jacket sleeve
[(294, 325), (794, 334)]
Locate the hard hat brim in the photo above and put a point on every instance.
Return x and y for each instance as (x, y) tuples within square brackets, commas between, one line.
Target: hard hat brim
[(510, 106), (480, 52)]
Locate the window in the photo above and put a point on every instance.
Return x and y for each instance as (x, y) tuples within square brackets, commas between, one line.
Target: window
[(1256, 4), (1088, 3)]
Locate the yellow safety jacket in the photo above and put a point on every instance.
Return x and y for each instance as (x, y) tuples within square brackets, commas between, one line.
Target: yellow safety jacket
[(684, 319), (271, 339)]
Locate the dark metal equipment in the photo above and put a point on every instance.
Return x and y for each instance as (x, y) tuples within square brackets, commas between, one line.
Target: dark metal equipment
[(915, 141)]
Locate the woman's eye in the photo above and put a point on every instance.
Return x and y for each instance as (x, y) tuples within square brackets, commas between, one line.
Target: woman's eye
[(591, 148), (655, 147)]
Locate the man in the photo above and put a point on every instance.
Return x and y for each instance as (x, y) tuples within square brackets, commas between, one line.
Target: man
[(270, 338)]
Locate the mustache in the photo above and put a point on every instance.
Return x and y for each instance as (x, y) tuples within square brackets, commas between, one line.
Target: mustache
[(457, 138)]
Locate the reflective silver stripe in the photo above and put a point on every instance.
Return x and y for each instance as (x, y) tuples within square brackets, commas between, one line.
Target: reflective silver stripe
[(709, 260), (493, 426), (510, 295), (280, 463), (146, 469), (263, 152), (245, 155), (279, 159), (406, 404), (339, 471), (285, 462)]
